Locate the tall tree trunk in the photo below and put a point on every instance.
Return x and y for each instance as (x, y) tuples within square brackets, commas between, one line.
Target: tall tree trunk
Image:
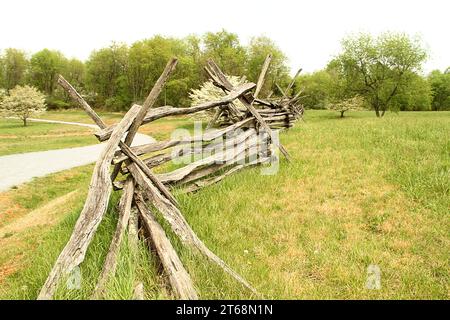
[(342, 114), (24, 122)]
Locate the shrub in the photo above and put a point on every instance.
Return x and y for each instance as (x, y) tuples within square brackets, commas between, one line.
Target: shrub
[(23, 102), (354, 103)]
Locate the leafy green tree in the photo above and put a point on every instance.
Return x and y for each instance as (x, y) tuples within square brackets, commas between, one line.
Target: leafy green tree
[(379, 68), (224, 47), (147, 59), (415, 95), (13, 68), (23, 102), (75, 72), (45, 66), (191, 65), (2, 76), (316, 89), (278, 72), (440, 86), (106, 76)]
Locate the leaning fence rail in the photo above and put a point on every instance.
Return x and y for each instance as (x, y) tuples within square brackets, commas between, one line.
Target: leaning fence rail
[(238, 138)]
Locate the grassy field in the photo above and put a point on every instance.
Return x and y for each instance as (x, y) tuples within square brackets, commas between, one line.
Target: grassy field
[(360, 191), (38, 136)]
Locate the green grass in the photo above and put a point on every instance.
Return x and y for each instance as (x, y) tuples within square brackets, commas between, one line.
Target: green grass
[(78, 115), (28, 213), (359, 191), (38, 136), (27, 255)]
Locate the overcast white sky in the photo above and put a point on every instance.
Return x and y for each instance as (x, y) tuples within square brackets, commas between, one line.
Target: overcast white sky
[(309, 32)]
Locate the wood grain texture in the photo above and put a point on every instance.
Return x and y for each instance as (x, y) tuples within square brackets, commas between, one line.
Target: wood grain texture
[(179, 225), (93, 211), (248, 104), (166, 111), (110, 264), (179, 279)]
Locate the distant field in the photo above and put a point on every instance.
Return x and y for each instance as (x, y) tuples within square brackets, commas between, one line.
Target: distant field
[(159, 129), (78, 115), (360, 191), (38, 136)]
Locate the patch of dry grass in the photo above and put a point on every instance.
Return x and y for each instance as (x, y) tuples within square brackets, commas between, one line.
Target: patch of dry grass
[(31, 210)]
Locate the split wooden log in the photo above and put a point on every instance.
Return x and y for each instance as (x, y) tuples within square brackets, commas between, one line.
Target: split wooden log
[(151, 99), (291, 83), (93, 211), (162, 158), (262, 75), (133, 232), (281, 90), (265, 104), (133, 160), (249, 105), (110, 264), (278, 111), (205, 151), (219, 152), (214, 119), (123, 146), (179, 278), (249, 139), (161, 112), (280, 125), (179, 224), (216, 81), (148, 103), (201, 173), (77, 97), (296, 97), (162, 145), (138, 292), (279, 118), (230, 140), (197, 185)]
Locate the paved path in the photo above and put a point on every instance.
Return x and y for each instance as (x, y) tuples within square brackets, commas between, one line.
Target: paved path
[(22, 167)]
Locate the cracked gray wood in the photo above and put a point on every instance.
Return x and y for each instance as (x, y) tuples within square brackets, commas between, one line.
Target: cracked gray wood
[(94, 208), (179, 279), (109, 266)]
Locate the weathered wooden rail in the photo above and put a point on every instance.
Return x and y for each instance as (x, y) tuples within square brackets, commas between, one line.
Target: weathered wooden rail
[(242, 140)]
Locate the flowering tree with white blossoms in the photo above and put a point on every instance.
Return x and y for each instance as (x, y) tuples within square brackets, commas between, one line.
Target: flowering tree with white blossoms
[(209, 92), (22, 102), (355, 103)]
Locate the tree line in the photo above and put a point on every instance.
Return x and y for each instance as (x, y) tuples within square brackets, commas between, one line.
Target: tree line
[(384, 71), (116, 76)]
